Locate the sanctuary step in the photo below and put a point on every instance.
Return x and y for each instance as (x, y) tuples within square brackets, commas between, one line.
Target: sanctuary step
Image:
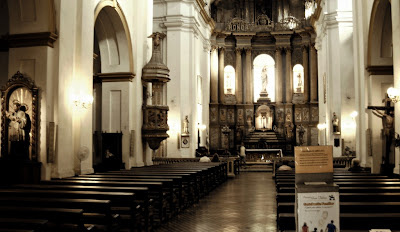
[(268, 136), (256, 167)]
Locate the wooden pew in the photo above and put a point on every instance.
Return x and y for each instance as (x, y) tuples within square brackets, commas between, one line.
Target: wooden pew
[(155, 189), (60, 219), (97, 212), (118, 199), (23, 224)]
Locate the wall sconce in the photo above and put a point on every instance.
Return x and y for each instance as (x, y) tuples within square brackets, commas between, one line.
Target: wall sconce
[(321, 126), (201, 127), (393, 94), (354, 114), (83, 101)]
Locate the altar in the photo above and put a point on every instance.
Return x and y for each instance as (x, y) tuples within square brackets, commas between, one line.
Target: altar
[(262, 155)]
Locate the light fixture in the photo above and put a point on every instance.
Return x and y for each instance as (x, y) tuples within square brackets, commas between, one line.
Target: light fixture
[(393, 94), (201, 127), (321, 126), (83, 101), (354, 114)]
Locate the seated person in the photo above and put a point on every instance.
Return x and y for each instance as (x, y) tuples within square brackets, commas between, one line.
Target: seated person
[(205, 159), (215, 158), (285, 166), (355, 167)]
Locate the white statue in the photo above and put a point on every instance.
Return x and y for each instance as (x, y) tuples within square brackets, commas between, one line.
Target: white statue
[(264, 79), (186, 125)]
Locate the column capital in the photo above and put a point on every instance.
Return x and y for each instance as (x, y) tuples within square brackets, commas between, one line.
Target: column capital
[(304, 47), (238, 50), (248, 50), (221, 49), (213, 48), (278, 49), (288, 49)]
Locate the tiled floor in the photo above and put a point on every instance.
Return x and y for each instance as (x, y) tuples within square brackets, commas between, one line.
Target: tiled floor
[(246, 203)]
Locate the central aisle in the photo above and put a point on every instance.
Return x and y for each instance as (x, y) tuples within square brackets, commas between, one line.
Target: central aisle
[(245, 203)]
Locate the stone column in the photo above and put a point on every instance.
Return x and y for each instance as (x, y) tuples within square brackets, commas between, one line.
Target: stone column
[(239, 78), (289, 79), (306, 77), (278, 74), (249, 78), (214, 75), (314, 75), (221, 66)]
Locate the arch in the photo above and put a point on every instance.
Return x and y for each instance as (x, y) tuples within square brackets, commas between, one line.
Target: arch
[(264, 76), (380, 23), (229, 80), (298, 79), (114, 40)]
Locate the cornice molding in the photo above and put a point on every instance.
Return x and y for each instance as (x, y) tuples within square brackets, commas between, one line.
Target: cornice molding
[(114, 77), (31, 39), (380, 69)]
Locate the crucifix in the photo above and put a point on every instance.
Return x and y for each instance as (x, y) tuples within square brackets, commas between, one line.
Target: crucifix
[(388, 128)]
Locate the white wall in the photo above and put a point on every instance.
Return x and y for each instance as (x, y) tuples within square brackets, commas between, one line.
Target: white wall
[(186, 53)]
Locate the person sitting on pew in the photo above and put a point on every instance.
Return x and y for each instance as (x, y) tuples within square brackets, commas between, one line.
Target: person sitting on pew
[(205, 159), (356, 166), (215, 158), (285, 166)]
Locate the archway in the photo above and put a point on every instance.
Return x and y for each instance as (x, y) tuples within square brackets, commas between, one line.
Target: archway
[(112, 67), (380, 67)]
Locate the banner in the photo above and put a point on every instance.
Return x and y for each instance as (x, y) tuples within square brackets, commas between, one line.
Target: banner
[(318, 211)]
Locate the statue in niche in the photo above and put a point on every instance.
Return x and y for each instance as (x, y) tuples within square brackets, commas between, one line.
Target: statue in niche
[(228, 84), (335, 124), (299, 83), (264, 79), (186, 125)]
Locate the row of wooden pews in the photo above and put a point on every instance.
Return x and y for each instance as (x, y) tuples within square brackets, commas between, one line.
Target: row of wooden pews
[(367, 201), (127, 200)]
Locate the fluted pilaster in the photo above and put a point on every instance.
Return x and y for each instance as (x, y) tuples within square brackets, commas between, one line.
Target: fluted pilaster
[(306, 76), (314, 75), (221, 66), (214, 75), (289, 79), (249, 79), (278, 74), (239, 78)]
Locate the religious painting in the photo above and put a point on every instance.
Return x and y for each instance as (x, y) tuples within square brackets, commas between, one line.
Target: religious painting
[(213, 114), (19, 119), (297, 115), (240, 118), (306, 114), (314, 114), (222, 115), (214, 138), (288, 117), (249, 117), (279, 116), (231, 116)]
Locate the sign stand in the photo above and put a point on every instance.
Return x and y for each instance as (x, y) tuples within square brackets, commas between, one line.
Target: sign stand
[(317, 197)]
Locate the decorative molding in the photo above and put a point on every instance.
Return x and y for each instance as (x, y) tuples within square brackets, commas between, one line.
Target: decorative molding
[(115, 77), (204, 14), (380, 69), (31, 39)]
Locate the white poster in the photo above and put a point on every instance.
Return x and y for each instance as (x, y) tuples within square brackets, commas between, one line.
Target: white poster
[(318, 212)]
